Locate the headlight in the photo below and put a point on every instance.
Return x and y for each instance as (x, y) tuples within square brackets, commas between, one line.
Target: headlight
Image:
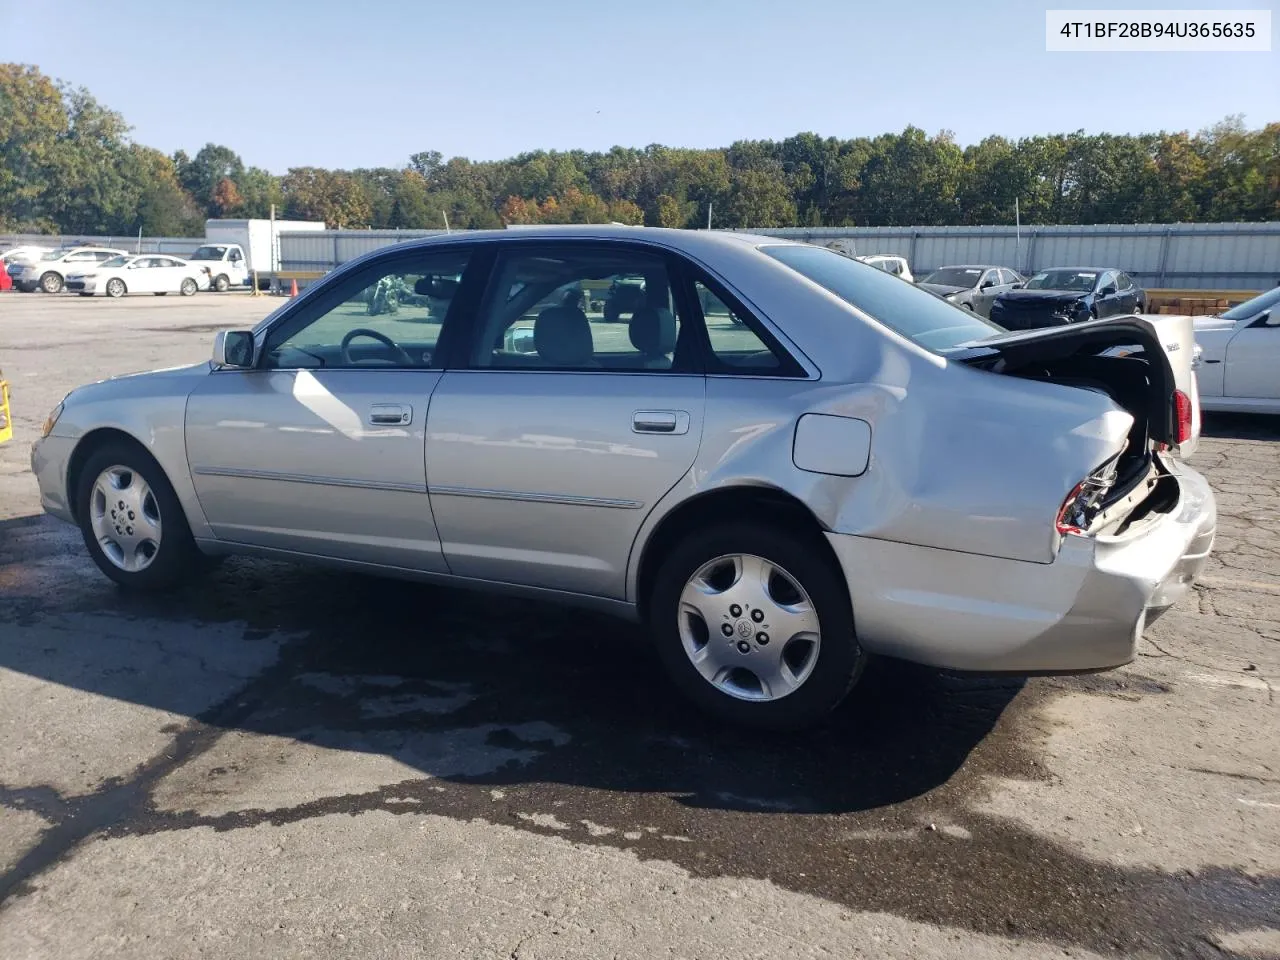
[(50, 420)]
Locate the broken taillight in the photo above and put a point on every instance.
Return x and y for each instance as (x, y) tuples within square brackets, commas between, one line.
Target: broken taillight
[(1182, 416), (1085, 500)]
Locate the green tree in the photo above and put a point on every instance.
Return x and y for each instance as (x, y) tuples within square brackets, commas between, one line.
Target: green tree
[(201, 175), (315, 194)]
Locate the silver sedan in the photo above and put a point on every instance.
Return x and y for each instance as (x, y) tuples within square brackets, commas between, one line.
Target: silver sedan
[(783, 461)]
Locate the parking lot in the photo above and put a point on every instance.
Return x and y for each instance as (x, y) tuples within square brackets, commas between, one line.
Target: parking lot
[(283, 761)]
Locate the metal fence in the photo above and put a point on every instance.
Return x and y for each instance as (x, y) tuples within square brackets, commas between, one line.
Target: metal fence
[(1204, 256), (1207, 256), (179, 246)]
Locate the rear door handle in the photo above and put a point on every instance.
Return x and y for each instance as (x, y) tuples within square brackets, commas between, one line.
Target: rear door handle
[(660, 421), (390, 414)]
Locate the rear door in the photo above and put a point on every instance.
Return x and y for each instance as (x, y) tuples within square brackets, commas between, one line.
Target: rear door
[(546, 449)]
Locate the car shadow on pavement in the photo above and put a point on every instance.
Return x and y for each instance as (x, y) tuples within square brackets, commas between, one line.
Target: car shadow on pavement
[(1241, 426), (383, 665), (281, 693)]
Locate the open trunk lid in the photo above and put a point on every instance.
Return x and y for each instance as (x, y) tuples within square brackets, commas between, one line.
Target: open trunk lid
[(1076, 354)]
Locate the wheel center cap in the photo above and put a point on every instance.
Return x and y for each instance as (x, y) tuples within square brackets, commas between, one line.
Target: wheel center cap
[(744, 629)]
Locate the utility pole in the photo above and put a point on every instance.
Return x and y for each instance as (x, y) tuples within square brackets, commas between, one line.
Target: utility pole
[(709, 206), (446, 221), (1017, 234)]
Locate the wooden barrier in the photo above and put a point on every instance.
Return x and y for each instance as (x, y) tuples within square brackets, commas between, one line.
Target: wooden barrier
[(1195, 303)]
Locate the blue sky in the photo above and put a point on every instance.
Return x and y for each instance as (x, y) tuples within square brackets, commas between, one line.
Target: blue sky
[(346, 84)]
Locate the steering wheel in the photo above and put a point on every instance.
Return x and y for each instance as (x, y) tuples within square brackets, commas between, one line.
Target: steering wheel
[(397, 351)]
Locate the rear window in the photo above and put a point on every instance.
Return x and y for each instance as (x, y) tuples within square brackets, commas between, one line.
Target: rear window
[(903, 307)]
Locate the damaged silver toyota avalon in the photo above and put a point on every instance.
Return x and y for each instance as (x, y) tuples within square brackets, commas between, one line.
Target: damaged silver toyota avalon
[(781, 460)]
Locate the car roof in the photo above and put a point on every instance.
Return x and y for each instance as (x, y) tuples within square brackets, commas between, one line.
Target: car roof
[(685, 241), (1086, 269)]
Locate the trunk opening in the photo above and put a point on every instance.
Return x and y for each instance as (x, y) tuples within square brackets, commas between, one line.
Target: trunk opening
[(1126, 361)]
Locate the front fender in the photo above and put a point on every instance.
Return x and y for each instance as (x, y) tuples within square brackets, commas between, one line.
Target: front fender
[(149, 408)]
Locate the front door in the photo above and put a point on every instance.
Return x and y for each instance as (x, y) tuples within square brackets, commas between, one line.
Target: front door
[(1253, 361), (143, 275), (319, 449), (571, 418)]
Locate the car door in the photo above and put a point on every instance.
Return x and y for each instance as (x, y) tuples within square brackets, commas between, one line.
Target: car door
[(1104, 294), (140, 275), (1253, 359), (546, 450), (986, 290), (319, 449)]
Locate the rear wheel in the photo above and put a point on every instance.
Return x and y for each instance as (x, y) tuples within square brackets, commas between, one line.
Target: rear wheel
[(115, 287), (222, 283), (188, 288), (131, 520), (754, 624), (51, 282)]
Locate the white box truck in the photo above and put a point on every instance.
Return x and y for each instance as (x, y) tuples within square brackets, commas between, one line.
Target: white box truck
[(234, 250)]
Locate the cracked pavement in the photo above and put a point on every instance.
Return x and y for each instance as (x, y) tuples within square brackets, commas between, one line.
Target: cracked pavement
[(285, 761)]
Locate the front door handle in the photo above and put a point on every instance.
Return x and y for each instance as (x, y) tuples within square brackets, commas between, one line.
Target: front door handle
[(390, 414), (660, 421)]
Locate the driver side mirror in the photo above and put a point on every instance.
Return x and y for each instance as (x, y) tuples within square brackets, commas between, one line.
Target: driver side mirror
[(986, 283), (1106, 291), (233, 348)]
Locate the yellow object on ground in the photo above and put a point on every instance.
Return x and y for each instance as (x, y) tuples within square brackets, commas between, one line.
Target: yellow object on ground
[(6, 421)]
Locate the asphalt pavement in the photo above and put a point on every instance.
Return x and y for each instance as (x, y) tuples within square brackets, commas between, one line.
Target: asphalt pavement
[(286, 761)]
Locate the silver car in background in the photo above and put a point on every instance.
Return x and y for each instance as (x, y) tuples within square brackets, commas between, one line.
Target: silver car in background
[(972, 286), (783, 462)]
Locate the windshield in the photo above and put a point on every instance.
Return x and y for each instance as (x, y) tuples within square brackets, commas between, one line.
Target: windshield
[(1081, 280), (208, 253), (115, 262), (931, 322), (1251, 308), (53, 255), (954, 276)]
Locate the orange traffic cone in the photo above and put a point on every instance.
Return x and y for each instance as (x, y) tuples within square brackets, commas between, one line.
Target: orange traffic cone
[(293, 287)]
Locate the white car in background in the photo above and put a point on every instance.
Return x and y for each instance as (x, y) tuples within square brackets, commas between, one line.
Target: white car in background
[(898, 266), (49, 271), (143, 273), (1239, 357), (23, 254)]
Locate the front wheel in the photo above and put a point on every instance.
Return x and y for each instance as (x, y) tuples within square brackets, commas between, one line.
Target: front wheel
[(755, 625), (131, 520), (188, 288), (115, 287), (51, 282), (222, 284)]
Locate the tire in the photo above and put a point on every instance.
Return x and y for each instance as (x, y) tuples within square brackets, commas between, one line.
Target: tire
[(174, 557), (116, 288), (188, 288), (222, 283), (51, 282), (818, 678)]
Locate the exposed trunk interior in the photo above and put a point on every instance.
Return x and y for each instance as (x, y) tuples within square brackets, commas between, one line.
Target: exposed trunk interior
[(1123, 491)]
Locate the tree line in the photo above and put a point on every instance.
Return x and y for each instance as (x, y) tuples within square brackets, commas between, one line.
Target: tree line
[(68, 165)]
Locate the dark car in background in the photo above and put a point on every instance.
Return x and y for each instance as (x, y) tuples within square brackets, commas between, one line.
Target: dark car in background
[(1063, 295), (974, 286)]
